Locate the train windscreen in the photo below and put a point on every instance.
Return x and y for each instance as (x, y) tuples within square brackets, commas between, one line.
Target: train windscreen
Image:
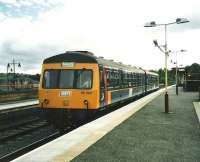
[(67, 79)]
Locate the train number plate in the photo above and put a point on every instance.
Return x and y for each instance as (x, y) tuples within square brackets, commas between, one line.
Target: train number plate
[(65, 93)]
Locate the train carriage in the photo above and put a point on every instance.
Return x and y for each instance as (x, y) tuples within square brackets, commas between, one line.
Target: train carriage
[(76, 84), (152, 81)]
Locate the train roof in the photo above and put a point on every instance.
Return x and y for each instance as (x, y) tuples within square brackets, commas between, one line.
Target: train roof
[(72, 56), (118, 65), (88, 57)]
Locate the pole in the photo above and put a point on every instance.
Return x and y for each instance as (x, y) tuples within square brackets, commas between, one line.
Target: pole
[(12, 66), (7, 78), (176, 76), (14, 71), (166, 94)]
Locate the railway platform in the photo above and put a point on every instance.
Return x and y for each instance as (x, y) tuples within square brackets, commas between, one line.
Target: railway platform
[(148, 135), (14, 105)]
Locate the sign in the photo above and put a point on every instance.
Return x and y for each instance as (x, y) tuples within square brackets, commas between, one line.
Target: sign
[(65, 93), (68, 64)]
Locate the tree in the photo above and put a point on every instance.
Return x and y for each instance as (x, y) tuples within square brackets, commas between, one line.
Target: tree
[(171, 76), (194, 68)]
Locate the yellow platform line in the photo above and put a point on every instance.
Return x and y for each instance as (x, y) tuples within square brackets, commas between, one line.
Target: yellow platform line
[(197, 109)]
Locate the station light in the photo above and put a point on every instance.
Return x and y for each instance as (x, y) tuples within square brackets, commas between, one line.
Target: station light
[(183, 50), (150, 24), (165, 51), (155, 43), (181, 20)]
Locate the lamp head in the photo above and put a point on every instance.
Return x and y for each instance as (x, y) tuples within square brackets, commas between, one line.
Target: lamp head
[(181, 20), (150, 24), (155, 43), (183, 50)]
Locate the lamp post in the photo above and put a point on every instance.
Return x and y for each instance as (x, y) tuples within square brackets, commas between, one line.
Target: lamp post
[(182, 50), (153, 24), (12, 66)]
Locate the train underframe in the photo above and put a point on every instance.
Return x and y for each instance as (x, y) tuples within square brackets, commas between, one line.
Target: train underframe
[(67, 118)]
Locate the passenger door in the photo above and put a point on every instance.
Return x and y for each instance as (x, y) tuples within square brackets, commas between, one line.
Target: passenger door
[(102, 86)]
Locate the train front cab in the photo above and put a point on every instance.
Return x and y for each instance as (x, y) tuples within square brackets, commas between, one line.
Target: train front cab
[(68, 91)]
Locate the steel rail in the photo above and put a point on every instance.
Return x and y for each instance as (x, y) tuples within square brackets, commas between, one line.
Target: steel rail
[(23, 150), (27, 128)]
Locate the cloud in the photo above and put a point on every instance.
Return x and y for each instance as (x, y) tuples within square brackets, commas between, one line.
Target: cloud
[(8, 1), (20, 8), (113, 29), (2, 17)]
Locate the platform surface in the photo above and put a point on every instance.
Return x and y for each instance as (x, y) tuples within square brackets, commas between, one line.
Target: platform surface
[(153, 136), (18, 104)]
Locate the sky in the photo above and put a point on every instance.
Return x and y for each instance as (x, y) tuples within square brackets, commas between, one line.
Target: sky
[(32, 30)]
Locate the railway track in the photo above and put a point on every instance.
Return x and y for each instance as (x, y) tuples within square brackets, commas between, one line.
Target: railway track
[(12, 132), (22, 131), (15, 142), (17, 113), (15, 109), (29, 147), (17, 124), (12, 118)]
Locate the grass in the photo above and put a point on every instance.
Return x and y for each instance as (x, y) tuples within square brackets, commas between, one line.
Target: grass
[(152, 136)]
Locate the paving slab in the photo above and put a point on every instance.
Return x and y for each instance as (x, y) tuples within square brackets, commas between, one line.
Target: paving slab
[(152, 135)]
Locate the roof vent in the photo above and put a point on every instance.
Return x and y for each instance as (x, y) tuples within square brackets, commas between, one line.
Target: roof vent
[(83, 52), (86, 52), (101, 57)]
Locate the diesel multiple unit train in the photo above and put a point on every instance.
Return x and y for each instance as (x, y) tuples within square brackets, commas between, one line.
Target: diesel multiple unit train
[(76, 84)]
